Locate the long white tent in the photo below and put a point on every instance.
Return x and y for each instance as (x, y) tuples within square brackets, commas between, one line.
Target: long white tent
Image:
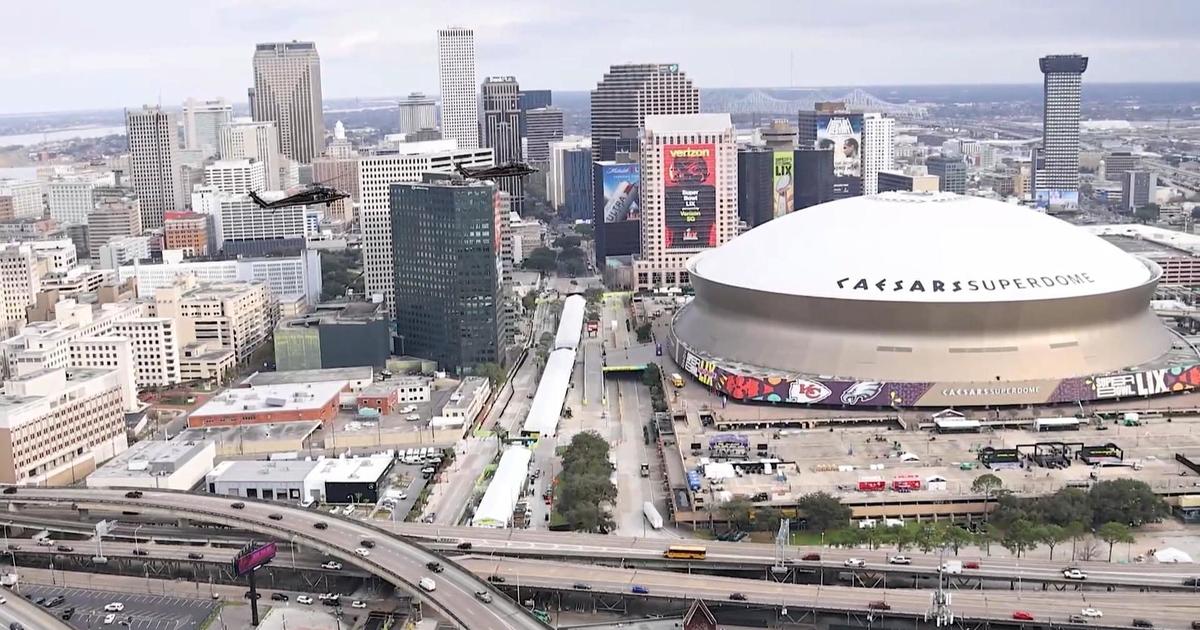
[(570, 325), (546, 408), (496, 507)]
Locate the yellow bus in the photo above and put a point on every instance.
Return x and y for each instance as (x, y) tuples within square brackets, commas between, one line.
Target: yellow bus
[(677, 380), (687, 552)]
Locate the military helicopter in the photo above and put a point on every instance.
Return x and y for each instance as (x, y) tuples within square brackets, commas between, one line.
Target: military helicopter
[(500, 171), (312, 194)]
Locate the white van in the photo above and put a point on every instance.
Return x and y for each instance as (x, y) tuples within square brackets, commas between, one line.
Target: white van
[(427, 584)]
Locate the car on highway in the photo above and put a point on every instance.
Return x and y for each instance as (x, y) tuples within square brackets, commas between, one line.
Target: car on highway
[(1142, 623), (140, 552), (195, 555), (428, 470), (304, 599), (275, 516), (879, 605), (1196, 625), (133, 494), (328, 596), (321, 525), (970, 564), (581, 586), (1091, 612), (358, 603), (1074, 574), (15, 626), (279, 597), (114, 607), (368, 543), (427, 584), (483, 596), (465, 546), (1077, 619), (10, 490), (496, 579), (109, 618), (363, 552), (855, 562), (332, 602), (435, 566), (639, 589), (254, 595), (1193, 581), (65, 548), (332, 565), (737, 597), (237, 505), (898, 559), (1022, 615), (811, 557)]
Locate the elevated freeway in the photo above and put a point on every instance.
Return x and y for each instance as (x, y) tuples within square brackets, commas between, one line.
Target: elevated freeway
[(400, 562), (1119, 610)]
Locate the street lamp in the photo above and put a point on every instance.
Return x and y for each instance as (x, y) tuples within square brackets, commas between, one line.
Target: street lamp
[(135, 539)]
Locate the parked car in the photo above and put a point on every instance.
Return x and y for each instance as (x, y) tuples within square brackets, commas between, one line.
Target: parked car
[(304, 599), (358, 603), (114, 607), (879, 605), (67, 613), (55, 601), (109, 618), (855, 562), (898, 559), (1022, 615)]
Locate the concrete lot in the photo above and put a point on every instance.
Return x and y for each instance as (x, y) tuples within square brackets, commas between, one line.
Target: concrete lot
[(143, 611)]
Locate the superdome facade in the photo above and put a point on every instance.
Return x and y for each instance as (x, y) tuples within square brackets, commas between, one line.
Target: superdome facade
[(918, 299)]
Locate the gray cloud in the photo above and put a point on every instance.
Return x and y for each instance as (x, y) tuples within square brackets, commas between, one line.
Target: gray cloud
[(76, 54)]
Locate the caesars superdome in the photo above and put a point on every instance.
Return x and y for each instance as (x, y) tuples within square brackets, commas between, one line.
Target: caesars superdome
[(923, 299)]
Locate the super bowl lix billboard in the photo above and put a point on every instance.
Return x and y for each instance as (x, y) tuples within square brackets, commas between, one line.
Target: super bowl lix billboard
[(690, 196)]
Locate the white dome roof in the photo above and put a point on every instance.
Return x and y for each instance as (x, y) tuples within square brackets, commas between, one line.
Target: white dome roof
[(922, 247)]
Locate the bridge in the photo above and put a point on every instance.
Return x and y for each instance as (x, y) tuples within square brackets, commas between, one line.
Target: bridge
[(760, 102), (398, 561)]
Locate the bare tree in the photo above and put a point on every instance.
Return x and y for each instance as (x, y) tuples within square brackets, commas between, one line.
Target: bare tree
[(1088, 550)]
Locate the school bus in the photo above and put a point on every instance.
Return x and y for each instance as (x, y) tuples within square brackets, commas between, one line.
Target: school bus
[(686, 552), (677, 380)]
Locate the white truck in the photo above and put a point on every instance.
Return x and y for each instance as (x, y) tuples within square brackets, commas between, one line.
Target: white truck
[(652, 515), (952, 567)]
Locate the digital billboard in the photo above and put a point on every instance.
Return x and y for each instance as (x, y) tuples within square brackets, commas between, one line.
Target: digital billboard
[(1059, 199), (690, 195), (252, 556), (622, 192), (842, 134), (784, 183)]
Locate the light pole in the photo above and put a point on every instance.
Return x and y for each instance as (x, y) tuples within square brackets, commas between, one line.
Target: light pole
[(136, 549)]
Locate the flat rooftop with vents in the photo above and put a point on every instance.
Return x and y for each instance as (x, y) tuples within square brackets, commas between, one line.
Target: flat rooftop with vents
[(257, 404)]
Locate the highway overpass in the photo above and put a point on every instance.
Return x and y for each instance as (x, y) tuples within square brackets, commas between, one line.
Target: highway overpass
[(398, 561)]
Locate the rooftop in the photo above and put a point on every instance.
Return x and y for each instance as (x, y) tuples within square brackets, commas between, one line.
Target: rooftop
[(466, 391), (251, 432), (271, 398), (678, 123), (346, 313), (1168, 242), (151, 458), (282, 471), (353, 470), (311, 376)]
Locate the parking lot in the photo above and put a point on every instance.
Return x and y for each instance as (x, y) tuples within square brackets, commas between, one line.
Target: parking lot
[(142, 611)]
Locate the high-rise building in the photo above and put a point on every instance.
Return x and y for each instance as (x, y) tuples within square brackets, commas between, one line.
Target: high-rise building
[(813, 171), (154, 162), (236, 177), (951, 172), (24, 199), (1116, 164), (339, 147), (187, 232), (907, 181), (417, 112), (689, 194), (1056, 174), (202, 122), (543, 125), (879, 149), (756, 196), (779, 135), (577, 183), (19, 285), (630, 92), (1137, 189), (450, 291), (70, 199), (113, 218), (456, 79), (234, 315), (287, 90), (616, 200), (556, 192), (258, 140), (376, 173), (341, 173), (502, 132), (533, 99)]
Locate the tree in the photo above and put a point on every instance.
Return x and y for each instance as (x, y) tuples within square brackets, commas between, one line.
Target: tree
[(986, 484), (585, 230), (929, 537), (768, 518), (1113, 533), (1126, 501), (1020, 537), (845, 537), (492, 372), (585, 490), (1068, 505), (593, 294), (1052, 535), (1148, 213), (529, 301), (737, 512), (566, 241), (1075, 531), (955, 538), (823, 511), (900, 537), (644, 333), (541, 259)]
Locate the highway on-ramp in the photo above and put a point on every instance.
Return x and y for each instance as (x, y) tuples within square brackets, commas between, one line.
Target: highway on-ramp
[(400, 562)]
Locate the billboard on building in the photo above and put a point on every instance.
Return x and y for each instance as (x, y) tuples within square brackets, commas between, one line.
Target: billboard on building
[(842, 134), (1056, 198), (690, 195), (784, 183), (622, 192)]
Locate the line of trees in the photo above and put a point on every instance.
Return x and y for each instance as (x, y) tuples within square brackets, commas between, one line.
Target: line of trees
[(585, 493), (652, 379), (1127, 501), (818, 511)]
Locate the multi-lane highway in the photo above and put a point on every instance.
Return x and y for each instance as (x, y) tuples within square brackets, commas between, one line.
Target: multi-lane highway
[(1168, 610), (400, 562)]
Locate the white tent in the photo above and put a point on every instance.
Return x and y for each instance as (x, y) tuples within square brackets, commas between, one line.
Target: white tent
[(546, 408), (723, 470), (570, 324), (496, 507), (909, 457), (1172, 555)]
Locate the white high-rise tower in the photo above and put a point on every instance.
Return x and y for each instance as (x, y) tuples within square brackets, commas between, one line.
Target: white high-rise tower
[(879, 148), (287, 90), (154, 162), (456, 78), (202, 122), (1056, 166), (246, 139)]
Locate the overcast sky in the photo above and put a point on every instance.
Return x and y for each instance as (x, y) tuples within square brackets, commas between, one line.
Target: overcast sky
[(79, 54)]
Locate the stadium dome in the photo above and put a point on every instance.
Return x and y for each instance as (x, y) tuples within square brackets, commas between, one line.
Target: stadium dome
[(925, 287)]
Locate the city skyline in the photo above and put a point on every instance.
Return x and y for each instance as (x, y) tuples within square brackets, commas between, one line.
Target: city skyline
[(211, 59)]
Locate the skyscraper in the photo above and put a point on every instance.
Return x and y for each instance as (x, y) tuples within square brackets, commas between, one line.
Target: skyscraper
[(502, 132), (951, 171), (1056, 179), (689, 190), (154, 162), (543, 125), (533, 99), (417, 112), (456, 79), (287, 90), (245, 139), (450, 292), (879, 149), (202, 122), (630, 92)]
